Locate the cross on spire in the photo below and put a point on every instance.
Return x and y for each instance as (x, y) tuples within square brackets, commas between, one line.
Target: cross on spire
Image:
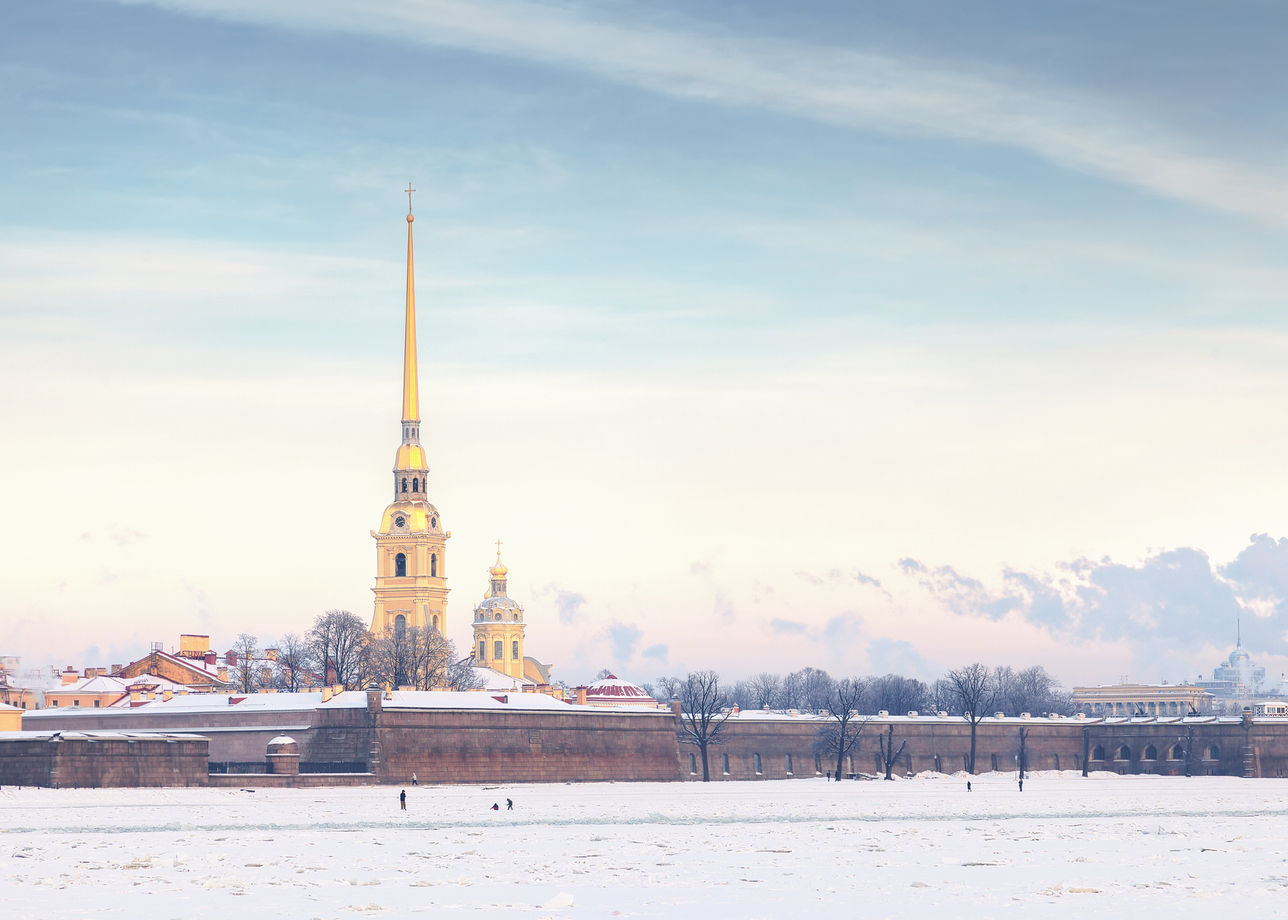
[(498, 550), (409, 190)]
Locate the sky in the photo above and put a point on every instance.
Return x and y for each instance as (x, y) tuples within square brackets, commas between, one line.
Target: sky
[(870, 337)]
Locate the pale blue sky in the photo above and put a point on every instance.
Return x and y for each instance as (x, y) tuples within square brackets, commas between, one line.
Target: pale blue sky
[(995, 287)]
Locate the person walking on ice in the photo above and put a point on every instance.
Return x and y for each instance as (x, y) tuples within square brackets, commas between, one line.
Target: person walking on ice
[(402, 800), (496, 807), (413, 778), (509, 804)]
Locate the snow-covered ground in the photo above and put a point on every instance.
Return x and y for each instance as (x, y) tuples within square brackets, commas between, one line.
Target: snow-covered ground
[(1103, 846)]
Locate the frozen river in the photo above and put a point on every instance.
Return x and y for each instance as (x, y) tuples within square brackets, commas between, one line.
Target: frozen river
[(1067, 846)]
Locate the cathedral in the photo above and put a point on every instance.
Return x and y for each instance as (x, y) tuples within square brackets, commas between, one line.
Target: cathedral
[(411, 546)]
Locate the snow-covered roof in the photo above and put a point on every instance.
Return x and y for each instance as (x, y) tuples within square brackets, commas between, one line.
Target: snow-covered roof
[(495, 680), (613, 691), (106, 684), (5, 707), (102, 736)]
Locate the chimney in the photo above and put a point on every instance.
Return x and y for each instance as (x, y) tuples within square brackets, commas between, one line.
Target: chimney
[(326, 694), (230, 658), (675, 706), (70, 676), (581, 696), (211, 658), (116, 668)]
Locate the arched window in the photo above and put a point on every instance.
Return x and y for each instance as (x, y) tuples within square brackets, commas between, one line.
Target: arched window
[(1123, 753), (1176, 753), (1214, 752), (1098, 752), (436, 621), (433, 521), (1151, 753), (415, 484), (787, 763), (756, 757), (404, 484), (693, 764), (400, 565), (400, 625), (498, 617), (482, 650), (498, 649), (724, 764), (514, 650), (433, 565)]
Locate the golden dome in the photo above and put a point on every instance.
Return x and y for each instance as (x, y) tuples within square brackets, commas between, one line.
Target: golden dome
[(411, 457), (498, 570)]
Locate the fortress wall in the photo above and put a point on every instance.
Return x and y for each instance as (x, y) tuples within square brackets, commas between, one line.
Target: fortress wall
[(87, 761)]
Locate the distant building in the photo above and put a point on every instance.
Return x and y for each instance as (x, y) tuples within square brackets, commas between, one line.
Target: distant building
[(1236, 679), (1142, 700)]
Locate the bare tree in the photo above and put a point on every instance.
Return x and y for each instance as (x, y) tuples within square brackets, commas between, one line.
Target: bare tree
[(972, 689), (704, 709), (764, 690), (816, 689), (940, 696), (791, 692), (898, 694), (889, 753), (1022, 755), (246, 648), (668, 688), (340, 639), (840, 737), (460, 672), (294, 662)]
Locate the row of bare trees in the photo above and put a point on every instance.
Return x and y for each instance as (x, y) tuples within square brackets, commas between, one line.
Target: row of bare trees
[(974, 691), (340, 650)]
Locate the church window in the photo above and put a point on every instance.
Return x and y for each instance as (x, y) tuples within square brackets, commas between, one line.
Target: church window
[(433, 521), (514, 650), (482, 650), (1123, 753), (724, 764), (1176, 753), (1098, 752), (498, 617), (693, 765), (1214, 753), (415, 484), (787, 763), (756, 757), (433, 565), (400, 625), (404, 484), (498, 649), (436, 621), (1151, 753), (400, 565)]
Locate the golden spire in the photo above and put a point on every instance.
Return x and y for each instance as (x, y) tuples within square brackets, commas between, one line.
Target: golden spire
[(411, 395), (499, 570)]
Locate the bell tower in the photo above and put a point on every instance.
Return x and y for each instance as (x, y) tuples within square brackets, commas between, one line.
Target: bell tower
[(411, 562), (499, 626)]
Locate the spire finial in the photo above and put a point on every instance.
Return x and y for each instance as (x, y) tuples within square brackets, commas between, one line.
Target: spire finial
[(409, 190), (1238, 632), (498, 549)]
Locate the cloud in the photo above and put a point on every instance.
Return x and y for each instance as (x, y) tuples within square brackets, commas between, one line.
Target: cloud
[(1079, 131), (569, 604), (624, 638), (897, 656), (1172, 601), (657, 652), (788, 627)]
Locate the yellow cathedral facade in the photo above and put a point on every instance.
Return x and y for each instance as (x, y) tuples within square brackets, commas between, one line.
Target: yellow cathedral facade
[(411, 544)]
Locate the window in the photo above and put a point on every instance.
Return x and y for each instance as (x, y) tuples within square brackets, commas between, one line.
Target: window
[(1098, 752), (482, 649), (436, 621), (400, 625), (415, 484), (498, 649), (433, 565), (1176, 752), (433, 521), (756, 758), (98, 704), (400, 565), (1214, 752), (514, 649), (818, 763), (1123, 753), (693, 764), (1150, 753), (75, 702), (724, 761), (787, 764), (498, 618), (404, 484), (55, 702)]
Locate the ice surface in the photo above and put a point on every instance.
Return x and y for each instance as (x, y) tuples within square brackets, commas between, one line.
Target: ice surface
[(1067, 846)]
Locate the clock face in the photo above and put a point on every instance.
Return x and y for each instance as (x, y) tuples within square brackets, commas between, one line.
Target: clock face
[(400, 522)]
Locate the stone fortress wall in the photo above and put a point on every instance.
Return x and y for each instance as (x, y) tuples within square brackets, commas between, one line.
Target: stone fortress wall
[(374, 739)]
